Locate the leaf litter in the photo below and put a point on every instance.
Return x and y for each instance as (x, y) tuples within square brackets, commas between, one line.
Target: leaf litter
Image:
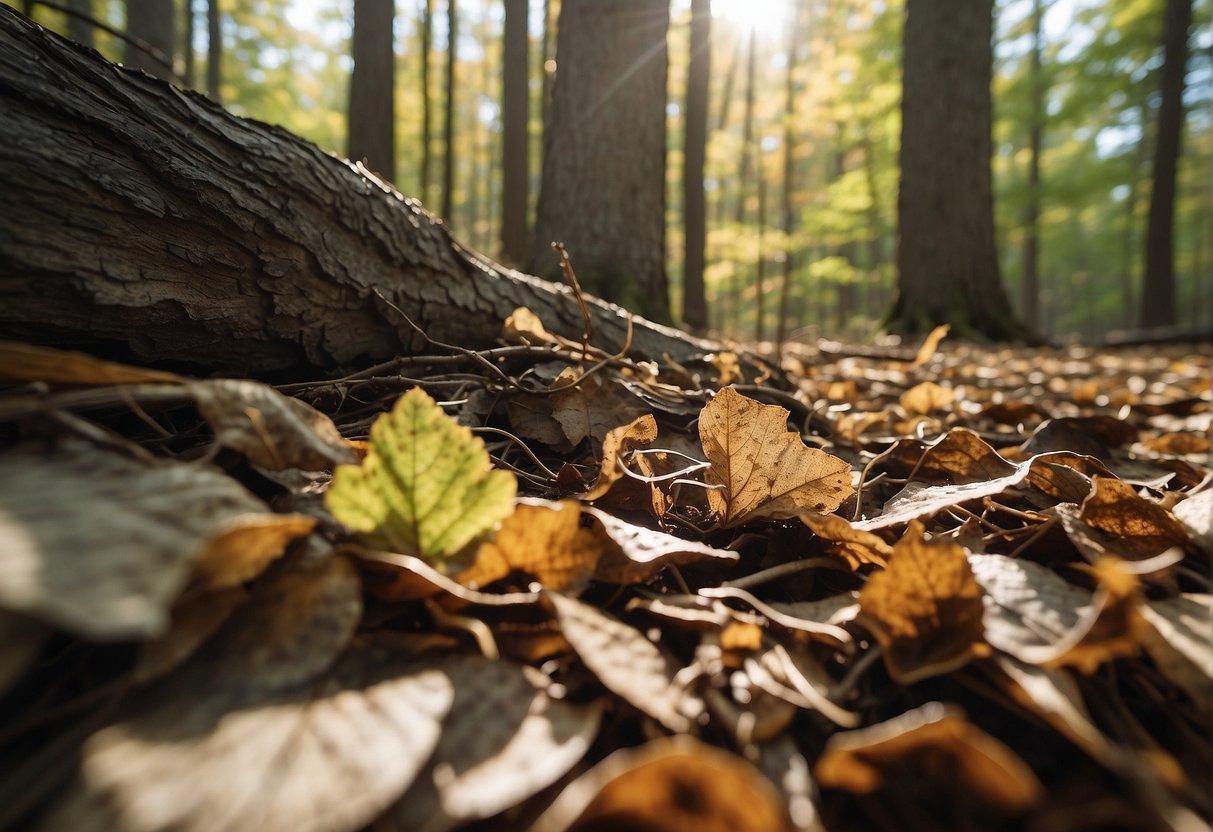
[(871, 588)]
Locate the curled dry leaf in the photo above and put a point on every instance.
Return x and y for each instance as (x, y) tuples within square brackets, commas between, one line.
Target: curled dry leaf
[(669, 785), (543, 539), (632, 553), (274, 431), (21, 362), (856, 546), (143, 524), (615, 446), (925, 609), (1035, 616), (592, 407), (243, 550), (427, 486), (765, 471), (524, 327), (936, 742), (502, 742), (1128, 525), (626, 662), (930, 344)]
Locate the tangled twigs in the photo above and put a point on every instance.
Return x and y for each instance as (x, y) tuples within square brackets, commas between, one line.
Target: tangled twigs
[(566, 266)]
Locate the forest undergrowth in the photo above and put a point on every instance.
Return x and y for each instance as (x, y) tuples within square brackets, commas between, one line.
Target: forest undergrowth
[(543, 587)]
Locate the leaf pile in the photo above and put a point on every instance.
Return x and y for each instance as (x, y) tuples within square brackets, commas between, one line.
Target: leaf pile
[(542, 587)]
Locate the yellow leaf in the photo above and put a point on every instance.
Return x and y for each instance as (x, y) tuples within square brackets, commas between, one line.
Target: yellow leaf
[(427, 486), (543, 539), (931, 344), (925, 609), (765, 470), (922, 398)]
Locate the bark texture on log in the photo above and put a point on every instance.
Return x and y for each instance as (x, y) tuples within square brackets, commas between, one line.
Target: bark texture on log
[(145, 221)]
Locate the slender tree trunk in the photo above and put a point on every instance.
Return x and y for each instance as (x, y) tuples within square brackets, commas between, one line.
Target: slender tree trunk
[(515, 117), (747, 152), (79, 29), (214, 51), (694, 301), (946, 257), (151, 21), (722, 117), (372, 116), (1030, 283), (548, 65), (760, 253), (1158, 291), (149, 224), (187, 46), (427, 127), (448, 123), (603, 191), (787, 205)]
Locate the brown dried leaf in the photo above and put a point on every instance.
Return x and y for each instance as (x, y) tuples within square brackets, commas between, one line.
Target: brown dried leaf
[(856, 546), (21, 362), (543, 539), (531, 418), (626, 662), (615, 446), (935, 742), (142, 523), (671, 784), (524, 327), (632, 553), (925, 609), (502, 742), (1180, 641), (592, 407), (274, 431), (242, 551), (1129, 525), (926, 396), (766, 470), (728, 368), (930, 344)]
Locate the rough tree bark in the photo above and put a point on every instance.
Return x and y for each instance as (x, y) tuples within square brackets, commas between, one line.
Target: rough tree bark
[(146, 223), (695, 142), (515, 132), (372, 109)]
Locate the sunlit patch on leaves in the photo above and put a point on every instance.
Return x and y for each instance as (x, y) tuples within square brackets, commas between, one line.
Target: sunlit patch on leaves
[(1196, 513), (426, 488), (926, 397), (925, 609), (239, 553), (934, 741), (633, 553), (765, 471), (542, 539), (675, 783), (1128, 525), (1178, 639)]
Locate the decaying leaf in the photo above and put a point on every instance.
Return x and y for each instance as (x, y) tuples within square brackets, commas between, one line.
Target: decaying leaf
[(925, 608), (523, 326), (591, 407), (110, 567), (239, 553), (274, 431), (1128, 525), (765, 470), (633, 553), (926, 396), (934, 741), (543, 539), (502, 742), (1180, 640), (426, 487), (930, 344), (20, 362), (856, 546), (673, 784), (617, 444), (626, 662)]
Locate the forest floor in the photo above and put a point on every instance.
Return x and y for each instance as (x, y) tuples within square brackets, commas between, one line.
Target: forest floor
[(947, 587)]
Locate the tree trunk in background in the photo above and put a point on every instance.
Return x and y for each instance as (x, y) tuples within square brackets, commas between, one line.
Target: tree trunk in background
[(78, 29), (448, 120), (694, 204), (1158, 290), (743, 173), (1030, 285), (187, 46), (787, 205), (148, 224), (152, 21), (760, 254), (946, 258), (372, 116), (515, 138), (603, 191), (214, 50), (427, 130)]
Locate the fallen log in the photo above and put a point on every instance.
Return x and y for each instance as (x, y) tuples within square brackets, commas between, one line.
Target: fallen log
[(144, 222)]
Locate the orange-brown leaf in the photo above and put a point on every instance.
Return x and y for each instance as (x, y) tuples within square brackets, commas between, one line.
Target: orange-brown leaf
[(542, 539)]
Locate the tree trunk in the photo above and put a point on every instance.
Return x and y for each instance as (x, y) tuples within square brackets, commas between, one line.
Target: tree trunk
[(1030, 286), (694, 204), (743, 173), (152, 22), (78, 28), (214, 50), (515, 118), (1158, 289), (448, 120), (146, 223), (946, 259), (603, 190), (786, 206), (372, 116), (427, 47)]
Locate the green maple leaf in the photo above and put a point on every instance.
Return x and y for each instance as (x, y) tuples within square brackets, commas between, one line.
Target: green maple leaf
[(427, 486)]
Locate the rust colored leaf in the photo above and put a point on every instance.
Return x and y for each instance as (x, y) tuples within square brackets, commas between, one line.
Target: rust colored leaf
[(669, 785), (856, 546), (925, 609), (934, 742), (1128, 525), (274, 431), (626, 662), (543, 539), (765, 470), (633, 553), (240, 553)]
